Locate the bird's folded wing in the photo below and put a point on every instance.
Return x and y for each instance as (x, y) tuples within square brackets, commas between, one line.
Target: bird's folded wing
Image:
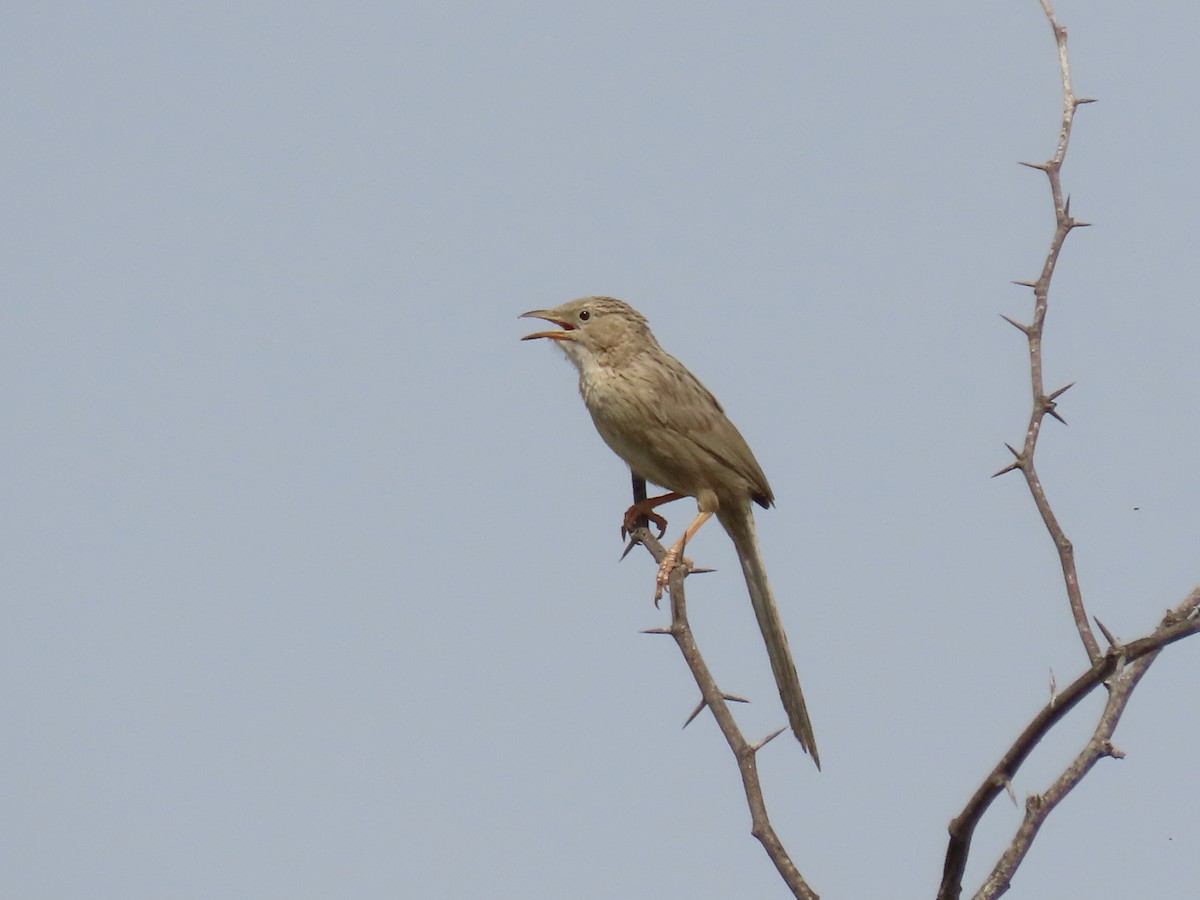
[(686, 407)]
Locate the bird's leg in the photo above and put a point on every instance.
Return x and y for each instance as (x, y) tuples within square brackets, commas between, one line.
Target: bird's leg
[(671, 560), (645, 509)]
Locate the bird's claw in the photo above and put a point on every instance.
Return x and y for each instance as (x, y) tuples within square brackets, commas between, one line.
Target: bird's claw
[(637, 512)]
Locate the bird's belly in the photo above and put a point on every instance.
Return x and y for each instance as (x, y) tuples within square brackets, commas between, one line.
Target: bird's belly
[(657, 454)]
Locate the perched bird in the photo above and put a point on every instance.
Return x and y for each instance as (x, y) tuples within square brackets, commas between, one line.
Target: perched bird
[(671, 431)]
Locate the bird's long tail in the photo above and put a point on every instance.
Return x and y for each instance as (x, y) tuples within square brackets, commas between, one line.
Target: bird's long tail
[(739, 523)]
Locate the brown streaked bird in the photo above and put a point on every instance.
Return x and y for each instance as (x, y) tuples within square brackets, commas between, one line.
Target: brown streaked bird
[(671, 431)]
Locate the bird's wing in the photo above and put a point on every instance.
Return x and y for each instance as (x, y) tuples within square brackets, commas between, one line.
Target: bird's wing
[(686, 406)]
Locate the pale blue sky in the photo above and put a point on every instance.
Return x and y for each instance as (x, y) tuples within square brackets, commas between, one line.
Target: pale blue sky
[(311, 582)]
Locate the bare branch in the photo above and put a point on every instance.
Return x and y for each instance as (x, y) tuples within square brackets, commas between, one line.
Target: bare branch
[(1039, 806), (1043, 404), (1120, 668), (1131, 663), (716, 700), (1177, 624)]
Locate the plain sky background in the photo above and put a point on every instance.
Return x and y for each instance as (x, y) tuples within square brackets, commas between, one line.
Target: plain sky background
[(310, 580)]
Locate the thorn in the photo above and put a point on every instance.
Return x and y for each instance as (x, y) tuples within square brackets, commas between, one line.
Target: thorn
[(1062, 390), (1067, 207), (656, 631), (1053, 687), (729, 698), (1024, 329), (1011, 466), (1081, 224), (1008, 789), (1028, 284), (1108, 635), (754, 748), (700, 570), (633, 542), (1051, 411), (1045, 167), (695, 712), (1079, 101)]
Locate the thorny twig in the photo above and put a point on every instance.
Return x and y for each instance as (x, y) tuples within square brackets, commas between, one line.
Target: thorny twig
[(1122, 666), (715, 699)]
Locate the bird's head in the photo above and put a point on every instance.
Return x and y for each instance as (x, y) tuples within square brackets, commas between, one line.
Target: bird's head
[(592, 327)]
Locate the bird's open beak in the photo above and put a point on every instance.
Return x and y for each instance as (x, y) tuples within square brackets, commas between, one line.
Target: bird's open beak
[(567, 334)]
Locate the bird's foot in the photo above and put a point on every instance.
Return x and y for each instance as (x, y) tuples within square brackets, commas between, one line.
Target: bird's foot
[(643, 509), (671, 561)]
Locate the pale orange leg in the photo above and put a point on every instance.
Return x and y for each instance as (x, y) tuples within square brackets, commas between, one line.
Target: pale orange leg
[(646, 508), (671, 560)]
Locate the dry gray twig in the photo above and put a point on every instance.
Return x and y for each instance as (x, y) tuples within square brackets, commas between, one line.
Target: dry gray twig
[(1120, 669), (1045, 404), (1122, 666), (1129, 663), (715, 699)]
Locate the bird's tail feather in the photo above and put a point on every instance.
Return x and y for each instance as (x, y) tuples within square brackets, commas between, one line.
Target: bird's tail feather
[(740, 525)]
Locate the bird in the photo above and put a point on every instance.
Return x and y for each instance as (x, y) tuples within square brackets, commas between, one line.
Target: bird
[(671, 431)]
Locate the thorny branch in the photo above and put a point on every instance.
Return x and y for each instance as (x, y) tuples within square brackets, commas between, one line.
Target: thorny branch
[(745, 752), (1129, 663), (1119, 669), (1045, 404), (1122, 666)]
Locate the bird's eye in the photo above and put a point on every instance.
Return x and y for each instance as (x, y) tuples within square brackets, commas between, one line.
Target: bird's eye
[(584, 315)]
